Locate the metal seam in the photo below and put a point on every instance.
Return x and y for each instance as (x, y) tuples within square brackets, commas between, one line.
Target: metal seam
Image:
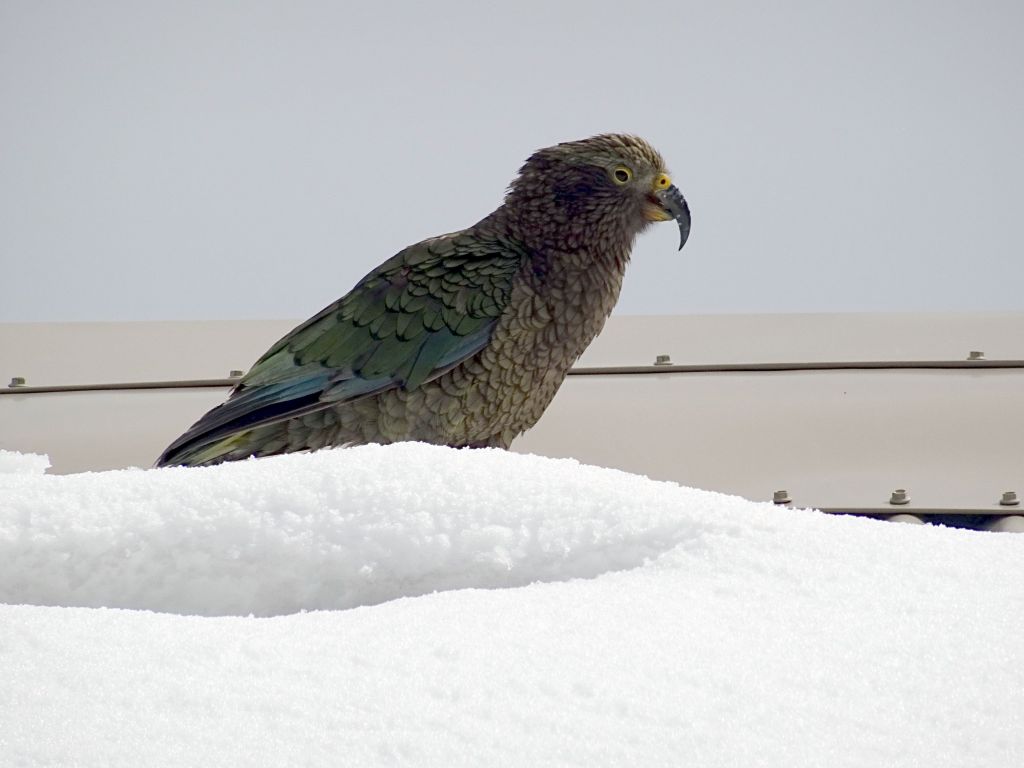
[(622, 370)]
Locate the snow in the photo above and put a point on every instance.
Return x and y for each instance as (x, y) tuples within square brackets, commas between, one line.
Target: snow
[(416, 605), (12, 463)]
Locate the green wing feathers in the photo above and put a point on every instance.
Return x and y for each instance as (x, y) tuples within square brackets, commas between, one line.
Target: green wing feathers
[(418, 315), (439, 291)]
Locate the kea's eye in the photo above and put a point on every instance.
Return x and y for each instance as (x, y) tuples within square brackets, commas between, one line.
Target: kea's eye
[(662, 181), (622, 174)]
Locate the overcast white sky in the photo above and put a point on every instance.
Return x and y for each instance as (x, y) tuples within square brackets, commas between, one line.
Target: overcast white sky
[(188, 160)]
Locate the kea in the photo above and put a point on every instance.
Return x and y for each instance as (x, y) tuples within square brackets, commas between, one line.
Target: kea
[(461, 339)]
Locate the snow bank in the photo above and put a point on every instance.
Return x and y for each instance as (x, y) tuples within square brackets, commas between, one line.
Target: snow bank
[(336, 529), (665, 626)]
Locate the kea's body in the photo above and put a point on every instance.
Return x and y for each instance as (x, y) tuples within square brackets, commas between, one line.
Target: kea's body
[(462, 339)]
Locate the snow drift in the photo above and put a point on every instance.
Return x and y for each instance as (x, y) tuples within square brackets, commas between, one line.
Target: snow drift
[(640, 623), (336, 529)]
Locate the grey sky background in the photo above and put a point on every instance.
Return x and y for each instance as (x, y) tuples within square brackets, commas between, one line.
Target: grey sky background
[(206, 160)]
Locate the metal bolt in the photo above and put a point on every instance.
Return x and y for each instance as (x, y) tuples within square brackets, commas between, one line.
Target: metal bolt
[(975, 355), (781, 497), (236, 374), (663, 360), (17, 381), (1009, 499), (899, 497)]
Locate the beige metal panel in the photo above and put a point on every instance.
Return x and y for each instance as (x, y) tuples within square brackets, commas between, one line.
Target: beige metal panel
[(98, 430), (718, 339), (86, 353), (831, 438), (47, 354)]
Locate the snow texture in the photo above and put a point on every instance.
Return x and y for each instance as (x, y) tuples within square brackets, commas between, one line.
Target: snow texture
[(12, 463), (624, 621)]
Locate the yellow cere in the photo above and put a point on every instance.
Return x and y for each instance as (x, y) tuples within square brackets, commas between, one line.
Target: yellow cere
[(662, 181)]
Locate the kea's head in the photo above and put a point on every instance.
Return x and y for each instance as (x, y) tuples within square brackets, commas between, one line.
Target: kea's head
[(599, 191)]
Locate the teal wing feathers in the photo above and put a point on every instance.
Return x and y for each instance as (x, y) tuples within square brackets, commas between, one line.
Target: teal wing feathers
[(415, 317)]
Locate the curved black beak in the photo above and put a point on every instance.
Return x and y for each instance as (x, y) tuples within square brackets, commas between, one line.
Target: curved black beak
[(674, 203)]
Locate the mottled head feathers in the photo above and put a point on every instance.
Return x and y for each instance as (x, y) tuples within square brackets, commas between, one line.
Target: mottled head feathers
[(608, 149), (580, 194)]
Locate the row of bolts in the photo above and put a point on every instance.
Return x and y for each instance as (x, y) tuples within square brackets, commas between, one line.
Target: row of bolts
[(19, 381), (899, 498), (974, 354)]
